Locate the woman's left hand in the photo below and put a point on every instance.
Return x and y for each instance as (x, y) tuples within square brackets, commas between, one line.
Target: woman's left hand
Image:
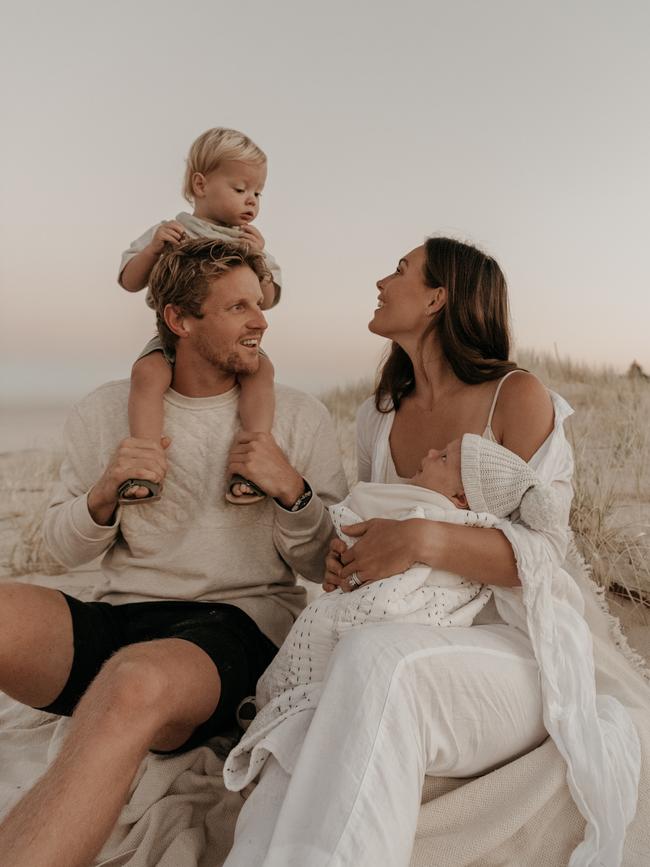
[(383, 548)]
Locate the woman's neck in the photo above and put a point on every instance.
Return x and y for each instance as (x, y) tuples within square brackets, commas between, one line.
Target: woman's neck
[(434, 377)]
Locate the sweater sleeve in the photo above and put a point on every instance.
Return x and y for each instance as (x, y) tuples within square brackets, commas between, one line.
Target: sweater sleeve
[(70, 534), (302, 538)]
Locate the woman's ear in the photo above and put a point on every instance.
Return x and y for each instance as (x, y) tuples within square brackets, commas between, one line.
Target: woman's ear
[(198, 185), (437, 300), (176, 321)]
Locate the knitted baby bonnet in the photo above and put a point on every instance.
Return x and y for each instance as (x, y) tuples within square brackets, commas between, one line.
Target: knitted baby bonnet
[(497, 481)]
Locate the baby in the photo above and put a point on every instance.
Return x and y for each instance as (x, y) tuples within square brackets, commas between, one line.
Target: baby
[(224, 179), (472, 481)]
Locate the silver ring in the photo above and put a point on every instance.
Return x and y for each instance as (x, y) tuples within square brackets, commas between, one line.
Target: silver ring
[(354, 580)]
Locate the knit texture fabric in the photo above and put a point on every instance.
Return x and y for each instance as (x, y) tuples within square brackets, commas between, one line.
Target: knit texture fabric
[(494, 478)]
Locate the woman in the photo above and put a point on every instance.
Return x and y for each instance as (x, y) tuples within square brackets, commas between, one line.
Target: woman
[(344, 783)]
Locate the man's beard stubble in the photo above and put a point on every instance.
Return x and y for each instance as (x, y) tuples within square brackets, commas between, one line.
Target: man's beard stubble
[(228, 362)]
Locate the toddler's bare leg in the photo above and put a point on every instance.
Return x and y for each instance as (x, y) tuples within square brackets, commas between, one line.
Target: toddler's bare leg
[(256, 410), (151, 376)]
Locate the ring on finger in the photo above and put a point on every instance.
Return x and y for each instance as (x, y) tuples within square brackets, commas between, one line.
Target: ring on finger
[(354, 580)]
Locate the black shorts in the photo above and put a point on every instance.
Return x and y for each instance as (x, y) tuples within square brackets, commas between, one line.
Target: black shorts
[(232, 640)]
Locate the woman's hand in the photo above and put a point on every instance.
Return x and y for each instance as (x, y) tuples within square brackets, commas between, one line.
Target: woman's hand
[(333, 565), (383, 548)]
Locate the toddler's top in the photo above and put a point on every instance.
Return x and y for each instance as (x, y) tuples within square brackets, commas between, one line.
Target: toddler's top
[(196, 227)]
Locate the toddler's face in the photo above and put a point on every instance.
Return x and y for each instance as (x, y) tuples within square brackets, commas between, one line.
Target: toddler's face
[(230, 195), (440, 471)]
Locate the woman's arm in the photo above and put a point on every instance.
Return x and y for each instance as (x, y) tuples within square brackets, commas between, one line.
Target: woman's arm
[(387, 547)]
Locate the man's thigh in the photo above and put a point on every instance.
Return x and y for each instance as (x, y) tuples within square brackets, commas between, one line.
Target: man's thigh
[(209, 638), (36, 643)]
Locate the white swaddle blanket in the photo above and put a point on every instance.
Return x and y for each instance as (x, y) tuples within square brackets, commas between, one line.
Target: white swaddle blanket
[(292, 682)]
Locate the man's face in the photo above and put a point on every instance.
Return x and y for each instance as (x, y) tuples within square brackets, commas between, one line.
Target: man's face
[(229, 334), (440, 471)]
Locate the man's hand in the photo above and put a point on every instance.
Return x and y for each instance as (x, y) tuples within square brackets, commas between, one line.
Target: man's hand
[(252, 236), (133, 459), (168, 232), (257, 457)]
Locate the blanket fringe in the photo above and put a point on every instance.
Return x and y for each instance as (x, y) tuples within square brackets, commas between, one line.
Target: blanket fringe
[(614, 624)]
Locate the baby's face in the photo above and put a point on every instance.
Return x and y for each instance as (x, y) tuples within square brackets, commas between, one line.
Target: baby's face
[(230, 195), (440, 471)]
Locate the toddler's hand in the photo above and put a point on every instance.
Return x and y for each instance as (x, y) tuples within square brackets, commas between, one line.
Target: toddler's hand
[(253, 237), (168, 232)]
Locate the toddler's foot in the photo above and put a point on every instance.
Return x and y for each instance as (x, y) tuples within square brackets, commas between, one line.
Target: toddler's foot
[(243, 492), (136, 490)]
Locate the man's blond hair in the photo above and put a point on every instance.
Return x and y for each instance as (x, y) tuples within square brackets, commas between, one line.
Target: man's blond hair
[(183, 275), (212, 148)]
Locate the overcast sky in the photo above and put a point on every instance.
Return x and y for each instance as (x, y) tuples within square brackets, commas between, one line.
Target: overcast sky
[(521, 126)]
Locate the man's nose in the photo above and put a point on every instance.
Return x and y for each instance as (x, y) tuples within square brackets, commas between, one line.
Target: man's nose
[(258, 321)]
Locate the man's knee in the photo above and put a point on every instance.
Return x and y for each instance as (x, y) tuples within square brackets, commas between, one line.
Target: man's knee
[(132, 686)]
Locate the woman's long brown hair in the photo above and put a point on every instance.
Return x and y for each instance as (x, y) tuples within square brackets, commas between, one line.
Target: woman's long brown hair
[(473, 327)]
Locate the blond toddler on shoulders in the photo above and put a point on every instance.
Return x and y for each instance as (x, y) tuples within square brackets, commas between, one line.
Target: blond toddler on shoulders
[(224, 179)]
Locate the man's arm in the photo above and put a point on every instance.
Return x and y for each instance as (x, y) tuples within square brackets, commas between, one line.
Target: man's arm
[(301, 537), (82, 519)]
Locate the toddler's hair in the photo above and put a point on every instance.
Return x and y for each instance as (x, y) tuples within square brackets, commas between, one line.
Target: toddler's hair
[(182, 277), (213, 147)]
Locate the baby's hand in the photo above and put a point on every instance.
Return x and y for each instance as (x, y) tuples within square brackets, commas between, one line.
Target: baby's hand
[(168, 232), (253, 237)]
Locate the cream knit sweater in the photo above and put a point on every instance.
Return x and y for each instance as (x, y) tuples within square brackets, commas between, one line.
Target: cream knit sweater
[(192, 544)]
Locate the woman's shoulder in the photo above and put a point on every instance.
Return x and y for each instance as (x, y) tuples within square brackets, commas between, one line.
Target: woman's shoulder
[(524, 415)]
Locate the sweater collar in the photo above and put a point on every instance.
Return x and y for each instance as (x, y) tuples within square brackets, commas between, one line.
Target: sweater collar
[(213, 401)]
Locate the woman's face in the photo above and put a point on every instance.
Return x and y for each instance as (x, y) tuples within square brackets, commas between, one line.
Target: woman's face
[(403, 310)]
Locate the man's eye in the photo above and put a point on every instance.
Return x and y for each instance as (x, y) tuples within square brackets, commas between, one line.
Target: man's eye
[(443, 458)]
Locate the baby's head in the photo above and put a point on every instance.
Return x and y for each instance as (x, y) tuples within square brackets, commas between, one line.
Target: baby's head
[(224, 177), (475, 473)]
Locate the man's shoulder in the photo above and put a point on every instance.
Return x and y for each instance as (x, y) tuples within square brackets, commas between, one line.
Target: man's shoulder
[(293, 401), (109, 397)]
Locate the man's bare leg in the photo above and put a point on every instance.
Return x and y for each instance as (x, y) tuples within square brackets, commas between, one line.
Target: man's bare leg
[(147, 695)]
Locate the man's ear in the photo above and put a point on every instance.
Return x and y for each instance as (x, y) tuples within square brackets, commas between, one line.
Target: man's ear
[(176, 321), (460, 500), (198, 184), (437, 300)]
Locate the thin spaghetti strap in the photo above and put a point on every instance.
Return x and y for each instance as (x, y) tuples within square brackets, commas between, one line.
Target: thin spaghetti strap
[(496, 396)]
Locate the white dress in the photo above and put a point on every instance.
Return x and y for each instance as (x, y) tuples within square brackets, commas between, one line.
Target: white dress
[(343, 785)]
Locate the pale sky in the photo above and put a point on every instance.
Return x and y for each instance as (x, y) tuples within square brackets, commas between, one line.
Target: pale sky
[(521, 126)]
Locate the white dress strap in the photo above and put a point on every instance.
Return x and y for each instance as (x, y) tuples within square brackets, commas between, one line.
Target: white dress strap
[(488, 426)]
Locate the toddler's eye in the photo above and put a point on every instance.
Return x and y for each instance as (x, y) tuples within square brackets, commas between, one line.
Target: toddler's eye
[(237, 190)]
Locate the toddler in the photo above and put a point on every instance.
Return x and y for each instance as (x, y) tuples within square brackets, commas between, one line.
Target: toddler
[(472, 481), (224, 179)]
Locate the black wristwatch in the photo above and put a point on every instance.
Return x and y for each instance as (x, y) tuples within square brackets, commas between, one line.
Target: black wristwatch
[(302, 500)]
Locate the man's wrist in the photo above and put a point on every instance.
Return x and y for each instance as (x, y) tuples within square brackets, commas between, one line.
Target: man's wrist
[(296, 496), (100, 509)]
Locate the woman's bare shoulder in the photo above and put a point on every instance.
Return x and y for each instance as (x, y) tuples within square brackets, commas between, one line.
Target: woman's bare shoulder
[(523, 417)]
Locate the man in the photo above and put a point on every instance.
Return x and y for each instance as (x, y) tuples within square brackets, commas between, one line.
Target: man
[(197, 594)]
